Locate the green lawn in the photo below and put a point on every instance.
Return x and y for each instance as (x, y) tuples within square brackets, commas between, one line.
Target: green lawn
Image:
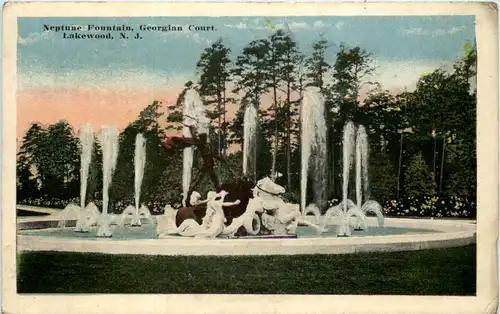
[(428, 272)]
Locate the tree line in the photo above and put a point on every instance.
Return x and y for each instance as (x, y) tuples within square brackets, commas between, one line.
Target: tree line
[(421, 142)]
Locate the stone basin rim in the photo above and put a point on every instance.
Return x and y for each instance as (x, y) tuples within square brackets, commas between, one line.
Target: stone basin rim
[(449, 233)]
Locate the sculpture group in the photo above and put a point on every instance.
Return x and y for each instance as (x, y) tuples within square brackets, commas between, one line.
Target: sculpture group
[(265, 212)]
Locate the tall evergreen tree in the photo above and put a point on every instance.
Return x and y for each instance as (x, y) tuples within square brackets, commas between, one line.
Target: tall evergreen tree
[(351, 70), (317, 66), (251, 78), (292, 73), (28, 159), (214, 67)]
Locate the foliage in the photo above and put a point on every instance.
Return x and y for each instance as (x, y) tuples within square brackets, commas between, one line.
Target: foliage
[(48, 161), (316, 65), (214, 67), (383, 177), (432, 206), (418, 179), (351, 70)]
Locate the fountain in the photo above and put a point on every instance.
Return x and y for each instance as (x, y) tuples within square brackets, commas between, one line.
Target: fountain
[(355, 143), (249, 144), (108, 137), (313, 144), (84, 215), (265, 207), (137, 211)]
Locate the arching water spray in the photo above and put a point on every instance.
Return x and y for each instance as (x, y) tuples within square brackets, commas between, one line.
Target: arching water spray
[(249, 143), (108, 139), (313, 138)]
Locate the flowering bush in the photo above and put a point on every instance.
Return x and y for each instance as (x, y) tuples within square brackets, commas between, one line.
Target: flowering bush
[(432, 206), (428, 206), (155, 207), (50, 203)]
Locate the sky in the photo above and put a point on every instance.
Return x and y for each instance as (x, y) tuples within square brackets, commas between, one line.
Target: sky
[(108, 82)]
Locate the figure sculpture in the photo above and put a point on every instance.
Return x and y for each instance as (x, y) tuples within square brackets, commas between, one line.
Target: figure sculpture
[(200, 142), (213, 222), (239, 189), (279, 217)]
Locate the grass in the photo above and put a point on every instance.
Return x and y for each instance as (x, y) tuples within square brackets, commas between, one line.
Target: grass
[(449, 271)]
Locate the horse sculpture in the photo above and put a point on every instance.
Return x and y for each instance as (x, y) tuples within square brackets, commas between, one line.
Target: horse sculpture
[(280, 217)]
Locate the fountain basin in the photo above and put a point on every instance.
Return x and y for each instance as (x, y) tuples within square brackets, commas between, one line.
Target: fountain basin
[(400, 235)]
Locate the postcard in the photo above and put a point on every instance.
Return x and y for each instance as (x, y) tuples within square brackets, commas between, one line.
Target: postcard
[(250, 157)]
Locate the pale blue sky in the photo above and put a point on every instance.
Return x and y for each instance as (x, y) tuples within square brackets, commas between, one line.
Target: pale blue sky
[(398, 42)]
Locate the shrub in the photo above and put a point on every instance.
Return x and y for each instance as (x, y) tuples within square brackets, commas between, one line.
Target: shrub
[(432, 206), (383, 178), (419, 181)]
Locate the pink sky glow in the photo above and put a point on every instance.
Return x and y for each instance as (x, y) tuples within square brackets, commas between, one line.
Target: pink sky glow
[(98, 107)]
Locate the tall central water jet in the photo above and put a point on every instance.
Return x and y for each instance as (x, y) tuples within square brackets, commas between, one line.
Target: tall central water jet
[(135, 212), (86, 141), (313, 144), (85, 216), (348, 142), (361, 165), (139, 163), (249, 140), (194, 115), (108, 138)]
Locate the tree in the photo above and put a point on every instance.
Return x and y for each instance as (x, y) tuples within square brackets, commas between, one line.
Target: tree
[(59, 161), (94, 185), (214, 67), (418, 179), (292, 78), (123, 178), (28, 158), (275, 73), (382, 177), (251, 78), (462, 153), (316, 65), (443, 105), (351, 69)]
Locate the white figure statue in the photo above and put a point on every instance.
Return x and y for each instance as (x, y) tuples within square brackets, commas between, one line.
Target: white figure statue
[(213, 222), (194, 200), (279, 217), (211, 210)]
